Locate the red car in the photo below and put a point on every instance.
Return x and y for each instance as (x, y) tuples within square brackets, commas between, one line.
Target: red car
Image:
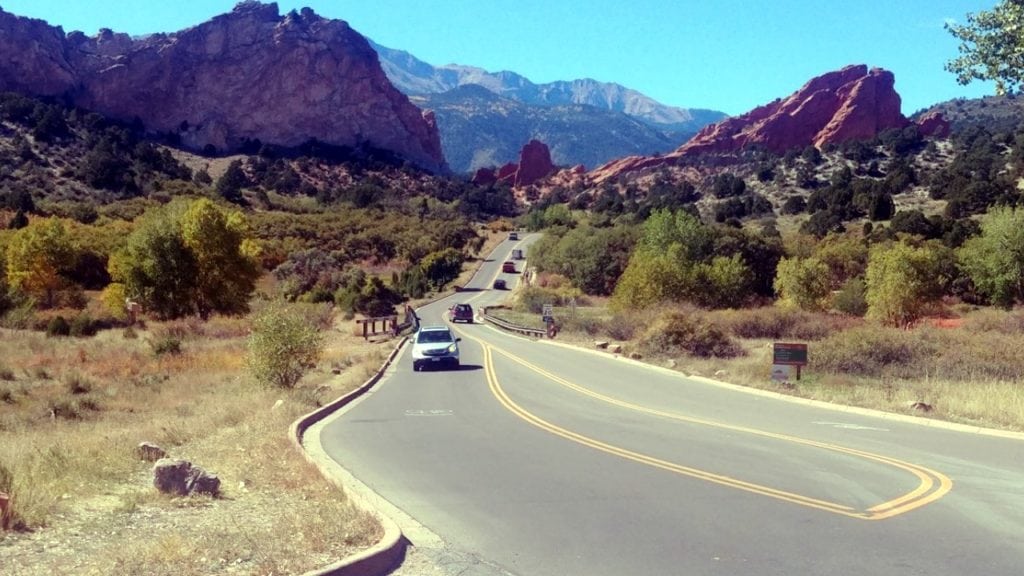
[(509, 266), (461, 313)]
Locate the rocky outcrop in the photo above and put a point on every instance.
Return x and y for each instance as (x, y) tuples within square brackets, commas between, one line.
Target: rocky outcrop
[(34, 60), (248, 75), (485, 177), (933, 124), (852, 103), (534, 165)]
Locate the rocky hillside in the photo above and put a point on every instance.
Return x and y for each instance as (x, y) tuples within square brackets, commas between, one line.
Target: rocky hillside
[(479, 129), (251, 75), (995, 113), (554, 111)]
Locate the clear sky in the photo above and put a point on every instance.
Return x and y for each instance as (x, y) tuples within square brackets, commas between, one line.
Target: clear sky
[(728, 55)]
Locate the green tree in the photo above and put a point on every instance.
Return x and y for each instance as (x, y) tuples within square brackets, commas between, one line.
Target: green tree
[(38, 258), (722, 283), (442, 267), (283, 346), (995, 259), (156, 267), (19, 221), (229, 185), (188, 257), (226, 261), (991, 47), (651, 278), (902, 281), (802, 283)]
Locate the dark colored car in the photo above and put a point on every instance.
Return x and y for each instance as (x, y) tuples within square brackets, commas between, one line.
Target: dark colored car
[(461, 313), (499, 284), (513, 235), (509, 266)]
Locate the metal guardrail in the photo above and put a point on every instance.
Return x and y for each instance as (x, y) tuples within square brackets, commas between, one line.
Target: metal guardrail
[(506, 325)]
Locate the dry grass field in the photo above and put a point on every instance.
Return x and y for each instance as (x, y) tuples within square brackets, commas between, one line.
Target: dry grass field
[(72, 411)]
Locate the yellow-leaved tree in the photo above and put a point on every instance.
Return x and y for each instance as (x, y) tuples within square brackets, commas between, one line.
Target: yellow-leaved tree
[(38, 259), (188, 257)]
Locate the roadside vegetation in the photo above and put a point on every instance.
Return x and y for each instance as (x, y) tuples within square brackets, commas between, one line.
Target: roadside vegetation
[(202, 303)]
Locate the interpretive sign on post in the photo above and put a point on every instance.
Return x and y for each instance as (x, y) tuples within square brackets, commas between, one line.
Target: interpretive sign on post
[(786, 354)]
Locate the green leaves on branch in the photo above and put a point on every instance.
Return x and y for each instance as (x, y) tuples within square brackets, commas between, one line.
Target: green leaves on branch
[(803, 283), (991, 47)]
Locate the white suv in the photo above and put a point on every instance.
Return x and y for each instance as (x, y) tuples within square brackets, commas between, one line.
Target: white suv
[(435, 346)]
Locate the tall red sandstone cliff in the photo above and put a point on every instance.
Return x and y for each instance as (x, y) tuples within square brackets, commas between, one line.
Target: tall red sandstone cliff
[(246, 75)]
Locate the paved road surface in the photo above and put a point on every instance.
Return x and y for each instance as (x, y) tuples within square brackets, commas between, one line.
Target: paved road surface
[(537, 459)]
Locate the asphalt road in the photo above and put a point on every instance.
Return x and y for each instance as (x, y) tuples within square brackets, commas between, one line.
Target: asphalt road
[(539, 459)]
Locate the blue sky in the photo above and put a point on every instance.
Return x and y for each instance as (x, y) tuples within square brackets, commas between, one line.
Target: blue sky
[(729, 55)]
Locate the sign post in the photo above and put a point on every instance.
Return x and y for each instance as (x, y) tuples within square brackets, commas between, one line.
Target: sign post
[(786, 354)]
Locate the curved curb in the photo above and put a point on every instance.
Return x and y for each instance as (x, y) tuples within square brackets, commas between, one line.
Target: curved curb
[(917, 420), (386, 554)]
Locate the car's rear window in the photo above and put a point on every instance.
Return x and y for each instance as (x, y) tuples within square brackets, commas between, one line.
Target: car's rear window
[(434, 336)]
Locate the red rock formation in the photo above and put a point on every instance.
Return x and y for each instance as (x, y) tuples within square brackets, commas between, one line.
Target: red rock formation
[(849, 104), (246, 75), (852, 103), (507, 173), (933, 124), (484, 177), (534, 165)]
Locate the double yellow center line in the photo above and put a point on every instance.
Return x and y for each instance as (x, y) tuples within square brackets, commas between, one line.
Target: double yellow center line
[(932, 485)]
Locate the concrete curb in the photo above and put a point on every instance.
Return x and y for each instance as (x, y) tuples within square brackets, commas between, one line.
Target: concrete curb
[(387, 554), (917, 420)]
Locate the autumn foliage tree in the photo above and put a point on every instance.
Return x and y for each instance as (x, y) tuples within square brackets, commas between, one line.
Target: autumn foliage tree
[(38, 259), (188, 257)]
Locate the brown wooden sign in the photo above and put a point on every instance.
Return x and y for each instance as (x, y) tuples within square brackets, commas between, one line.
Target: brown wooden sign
[(788, 353)]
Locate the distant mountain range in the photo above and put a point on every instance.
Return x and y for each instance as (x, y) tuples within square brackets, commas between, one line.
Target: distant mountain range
[(582, 121)]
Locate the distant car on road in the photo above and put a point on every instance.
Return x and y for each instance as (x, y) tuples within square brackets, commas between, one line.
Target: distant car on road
[(509, 266), (513, 235), (435, 346), (461, 313), (499, 284)]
